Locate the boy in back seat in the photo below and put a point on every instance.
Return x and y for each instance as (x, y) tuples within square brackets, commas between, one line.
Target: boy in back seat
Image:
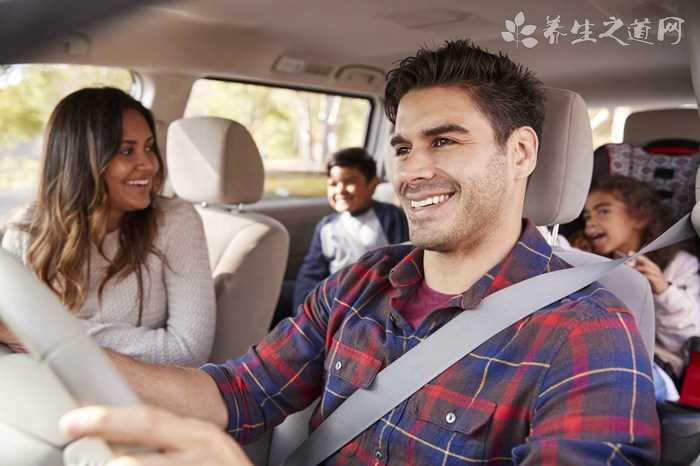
[(359, 225)]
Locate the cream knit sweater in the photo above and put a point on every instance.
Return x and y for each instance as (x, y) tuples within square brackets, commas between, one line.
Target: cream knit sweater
[(179, 308)]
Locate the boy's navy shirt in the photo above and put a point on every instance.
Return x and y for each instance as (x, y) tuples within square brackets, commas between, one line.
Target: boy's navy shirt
[(316, 265)]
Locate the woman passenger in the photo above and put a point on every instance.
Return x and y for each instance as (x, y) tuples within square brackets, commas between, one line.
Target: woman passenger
[(132, 265)]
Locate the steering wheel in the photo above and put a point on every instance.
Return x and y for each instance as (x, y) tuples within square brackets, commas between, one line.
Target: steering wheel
[(64, 369)]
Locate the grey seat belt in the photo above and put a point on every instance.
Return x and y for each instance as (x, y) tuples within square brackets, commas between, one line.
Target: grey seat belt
[(454, 340)]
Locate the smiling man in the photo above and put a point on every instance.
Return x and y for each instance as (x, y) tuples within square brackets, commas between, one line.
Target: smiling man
[(570, 384)]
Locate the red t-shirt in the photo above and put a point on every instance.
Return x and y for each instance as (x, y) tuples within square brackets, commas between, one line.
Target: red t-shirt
[(424, 301)]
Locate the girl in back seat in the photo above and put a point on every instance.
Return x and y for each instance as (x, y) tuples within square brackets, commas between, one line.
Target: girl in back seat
[(622, 214), (131, 264)]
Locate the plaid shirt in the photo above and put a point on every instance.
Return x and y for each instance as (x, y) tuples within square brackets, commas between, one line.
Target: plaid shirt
[(569, 384)]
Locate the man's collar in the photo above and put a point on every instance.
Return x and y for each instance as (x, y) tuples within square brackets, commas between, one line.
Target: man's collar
[(529, 257)]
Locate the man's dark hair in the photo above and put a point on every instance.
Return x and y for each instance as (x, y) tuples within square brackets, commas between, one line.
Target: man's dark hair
[(355, 157), (508, 94)]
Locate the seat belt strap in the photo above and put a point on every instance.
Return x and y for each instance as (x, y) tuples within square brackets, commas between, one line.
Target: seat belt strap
[(453, 341)]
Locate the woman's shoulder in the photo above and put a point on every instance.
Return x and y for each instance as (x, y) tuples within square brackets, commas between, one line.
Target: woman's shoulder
[(17, 220), (18, 216), (15, 238), (177, 214), (173, 208)]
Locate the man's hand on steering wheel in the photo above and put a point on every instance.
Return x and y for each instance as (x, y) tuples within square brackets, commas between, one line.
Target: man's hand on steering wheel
[(180, 441)]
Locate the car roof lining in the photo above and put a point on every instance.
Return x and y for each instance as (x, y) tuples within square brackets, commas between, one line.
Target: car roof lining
[(237, 39)]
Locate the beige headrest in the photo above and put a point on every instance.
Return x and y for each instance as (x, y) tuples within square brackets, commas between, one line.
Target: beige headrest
[(559, 185), (678, 123), (214, 160)]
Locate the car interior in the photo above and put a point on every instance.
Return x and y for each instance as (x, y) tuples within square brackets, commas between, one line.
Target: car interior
[(250, 97)]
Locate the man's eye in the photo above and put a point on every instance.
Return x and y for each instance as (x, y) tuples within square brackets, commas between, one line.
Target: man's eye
[(439, 142), (402, 151)]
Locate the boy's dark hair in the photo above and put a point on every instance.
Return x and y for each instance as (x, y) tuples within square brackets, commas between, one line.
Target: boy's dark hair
[(509, 95), (355, 157)]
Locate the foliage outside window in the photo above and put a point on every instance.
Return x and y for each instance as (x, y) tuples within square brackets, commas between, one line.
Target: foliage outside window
[(28, 95), (294, 130)]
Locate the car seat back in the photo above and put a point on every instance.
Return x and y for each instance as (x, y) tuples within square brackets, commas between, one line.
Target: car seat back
[(214, 162)]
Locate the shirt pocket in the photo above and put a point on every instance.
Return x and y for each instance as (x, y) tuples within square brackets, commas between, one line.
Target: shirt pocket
[(347, 369), (456, 424)]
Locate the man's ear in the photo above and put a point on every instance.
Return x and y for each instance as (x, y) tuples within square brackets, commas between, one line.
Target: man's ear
[(524, 145)]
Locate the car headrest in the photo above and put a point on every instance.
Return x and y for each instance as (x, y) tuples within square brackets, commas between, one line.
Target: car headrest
[(559, 185), (214, 160), (678, 123)]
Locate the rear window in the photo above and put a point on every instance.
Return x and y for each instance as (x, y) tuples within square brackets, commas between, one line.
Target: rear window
[(293, 129), (608, 124), (28, 95)]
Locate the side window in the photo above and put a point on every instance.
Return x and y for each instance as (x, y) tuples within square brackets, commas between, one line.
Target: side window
[(28, 95), (294, 130)]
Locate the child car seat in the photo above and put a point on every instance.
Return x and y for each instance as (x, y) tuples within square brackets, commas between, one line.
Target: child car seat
[(668, 166)]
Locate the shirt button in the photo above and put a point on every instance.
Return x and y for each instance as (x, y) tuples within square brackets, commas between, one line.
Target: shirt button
[(338, 365), (450, 418), (378, 454)]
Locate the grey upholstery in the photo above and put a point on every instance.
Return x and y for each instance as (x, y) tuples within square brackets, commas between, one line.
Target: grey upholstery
[(649, 125), (289, 435), (559, 185), (220, 155), (629, 286), (214, 162)]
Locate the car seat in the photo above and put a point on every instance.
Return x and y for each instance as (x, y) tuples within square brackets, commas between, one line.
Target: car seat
[(215, 163)]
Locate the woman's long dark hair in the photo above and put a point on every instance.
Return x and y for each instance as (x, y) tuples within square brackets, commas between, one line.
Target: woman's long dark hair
[(643, 204), (72, 207)]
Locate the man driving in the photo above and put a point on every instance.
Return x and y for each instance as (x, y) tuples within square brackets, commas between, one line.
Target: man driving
[(569, 384)]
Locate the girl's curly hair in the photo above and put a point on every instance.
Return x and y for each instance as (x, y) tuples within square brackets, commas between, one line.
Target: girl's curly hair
[(642, 203)]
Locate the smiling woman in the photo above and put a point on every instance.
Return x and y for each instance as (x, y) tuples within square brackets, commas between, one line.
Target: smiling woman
[(130, 263), (131, 172)]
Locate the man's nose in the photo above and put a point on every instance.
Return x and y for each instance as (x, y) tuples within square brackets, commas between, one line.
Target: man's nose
[(418, 165)]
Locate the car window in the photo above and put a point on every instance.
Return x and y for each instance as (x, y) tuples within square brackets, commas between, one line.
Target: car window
[(293, 129), (608, 124), (28, 95)]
